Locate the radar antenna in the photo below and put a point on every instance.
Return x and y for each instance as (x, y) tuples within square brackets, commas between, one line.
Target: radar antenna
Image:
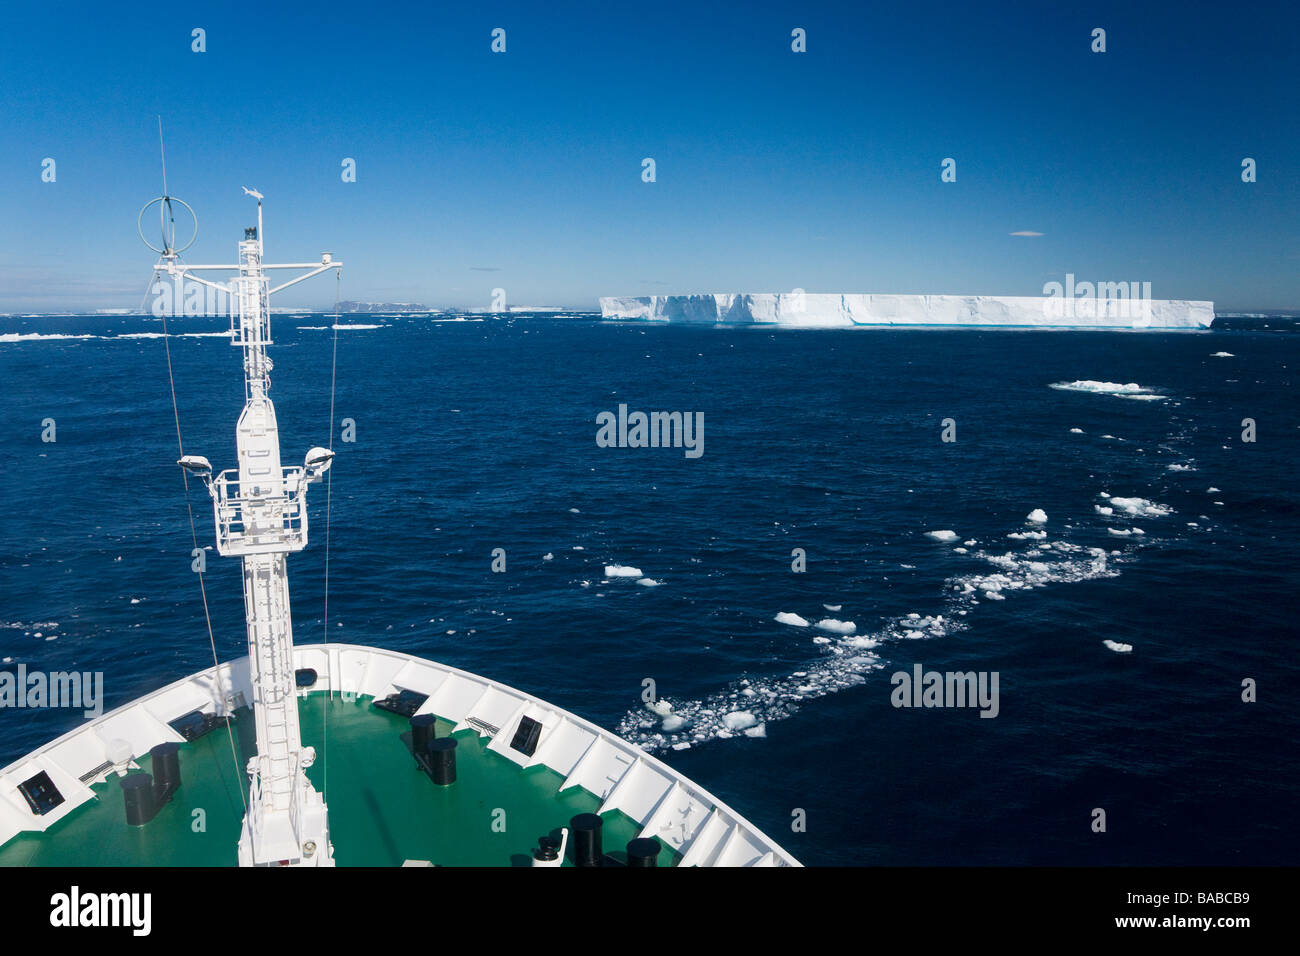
[(166, 213)]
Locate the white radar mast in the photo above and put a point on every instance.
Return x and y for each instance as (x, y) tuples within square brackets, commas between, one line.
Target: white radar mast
[(260, 510)]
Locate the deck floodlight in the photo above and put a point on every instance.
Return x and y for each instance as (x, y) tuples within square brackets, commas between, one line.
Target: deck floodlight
[(196, 465), (318, 462)]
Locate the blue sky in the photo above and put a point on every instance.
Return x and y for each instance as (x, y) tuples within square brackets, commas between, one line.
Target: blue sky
[(775, 170)]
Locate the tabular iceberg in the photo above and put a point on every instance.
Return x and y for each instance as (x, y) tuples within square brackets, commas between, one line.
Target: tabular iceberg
[(818, 310)]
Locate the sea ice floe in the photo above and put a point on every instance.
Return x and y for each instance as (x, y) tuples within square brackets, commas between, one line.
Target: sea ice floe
[(943, 535), (622, 571), (548, 556), (739, 720), (789, 617), (1028, 535), (1221, 355), (1125, 532), (1117, 647), (1037, 516), (833, 626), (833, 608), (648, 582), (1138, 506), (1117, 389)]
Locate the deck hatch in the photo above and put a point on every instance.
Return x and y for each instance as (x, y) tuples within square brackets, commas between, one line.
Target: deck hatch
[(526, 736), (40, 793)]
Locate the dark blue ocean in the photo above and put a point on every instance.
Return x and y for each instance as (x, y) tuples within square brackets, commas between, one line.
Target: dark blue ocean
[(1164, 532)]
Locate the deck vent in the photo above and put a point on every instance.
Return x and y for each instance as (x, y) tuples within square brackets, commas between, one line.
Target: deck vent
[(304, 677), (526, 736), (195, 724), (404, 703), (40, 793)]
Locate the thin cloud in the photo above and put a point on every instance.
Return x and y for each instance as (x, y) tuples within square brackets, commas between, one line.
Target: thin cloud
[(1027, 232), (484, 268)]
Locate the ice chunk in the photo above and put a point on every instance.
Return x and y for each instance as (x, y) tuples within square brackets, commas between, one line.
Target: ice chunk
[(622, 571)]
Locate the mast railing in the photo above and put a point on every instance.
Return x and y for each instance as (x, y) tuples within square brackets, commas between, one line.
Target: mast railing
[(260, 524)]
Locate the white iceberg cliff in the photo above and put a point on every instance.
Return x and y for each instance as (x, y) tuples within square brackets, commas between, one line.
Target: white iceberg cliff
[(818, 310)]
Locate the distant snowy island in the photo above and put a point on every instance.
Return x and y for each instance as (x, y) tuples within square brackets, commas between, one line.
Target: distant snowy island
[(1075, 308)]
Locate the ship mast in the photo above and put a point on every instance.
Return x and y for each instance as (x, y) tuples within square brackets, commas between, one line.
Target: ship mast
[(260, 510)]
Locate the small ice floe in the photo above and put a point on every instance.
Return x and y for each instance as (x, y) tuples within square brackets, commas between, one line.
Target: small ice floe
[(1116, 389), (1125, 532), (1179, 467), (1139, 506), (821, 640), (622, 571), (833, 608), (1028, 535), (960, 551), (789, 617), (739, 720), (970, 543), (1211, 490), (1076, 431), (673, 722), (1103, 510), (574, 511), (548, 556), (648, 582), (660, 707), (758, 730), (1221, 355), (945, 535), (833, 626), (1037, 516), (1117, 647), (136, 600)]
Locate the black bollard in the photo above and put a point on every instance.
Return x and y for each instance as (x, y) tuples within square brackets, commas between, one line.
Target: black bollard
[(642, 852), (442, 760), (585, 829), (137, 794), (166, 771), (422, 731)]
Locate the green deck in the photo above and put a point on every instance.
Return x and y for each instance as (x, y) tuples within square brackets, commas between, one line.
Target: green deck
[(383, 810)]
